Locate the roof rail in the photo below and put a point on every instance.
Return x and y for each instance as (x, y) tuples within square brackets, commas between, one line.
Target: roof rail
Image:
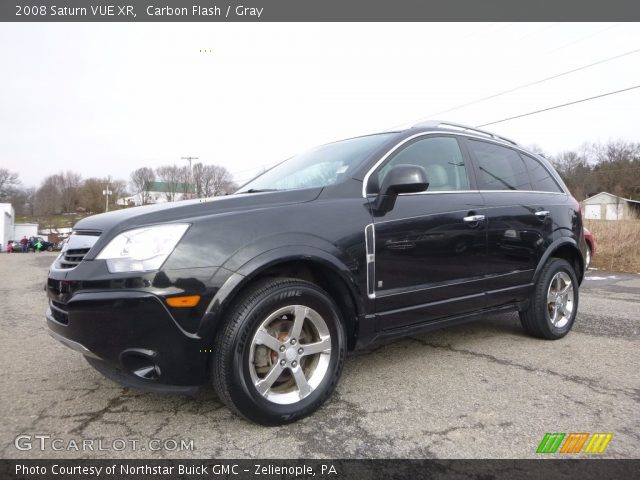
[(439, 123)]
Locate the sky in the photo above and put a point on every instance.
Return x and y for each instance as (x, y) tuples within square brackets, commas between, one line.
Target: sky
[(105, 99)]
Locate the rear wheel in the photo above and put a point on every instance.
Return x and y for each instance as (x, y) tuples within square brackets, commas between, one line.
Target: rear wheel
[(587, 261), (280, 354), (554, 302)]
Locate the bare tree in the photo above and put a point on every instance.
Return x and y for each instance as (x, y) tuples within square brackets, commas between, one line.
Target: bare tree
[(173, 178), (48, 199), (217, 181), (141, 180), (8, 183), (91, 197), (184, 184), (29, 201), (58, 194), (118, 190), (69, 189), (22, 200), (198, 179)]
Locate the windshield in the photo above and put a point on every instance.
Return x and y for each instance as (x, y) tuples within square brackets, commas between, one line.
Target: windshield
[(319, 167)]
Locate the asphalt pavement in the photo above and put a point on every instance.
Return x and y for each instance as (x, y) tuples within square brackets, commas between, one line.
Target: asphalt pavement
[(482, 390)]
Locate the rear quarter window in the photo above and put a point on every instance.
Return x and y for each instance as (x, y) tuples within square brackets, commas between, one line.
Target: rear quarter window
[(541, 178)]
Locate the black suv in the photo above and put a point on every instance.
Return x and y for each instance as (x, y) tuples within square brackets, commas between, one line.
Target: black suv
[(44, 244), (264, 291)]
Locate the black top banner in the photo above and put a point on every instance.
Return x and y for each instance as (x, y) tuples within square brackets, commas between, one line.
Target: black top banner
[(317, 10)]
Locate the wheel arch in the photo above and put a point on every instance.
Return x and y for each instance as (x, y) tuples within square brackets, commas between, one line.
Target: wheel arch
[(304, 263), (567, 249)]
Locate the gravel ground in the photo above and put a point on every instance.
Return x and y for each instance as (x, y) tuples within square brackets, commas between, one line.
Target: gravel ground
[(483, 390)]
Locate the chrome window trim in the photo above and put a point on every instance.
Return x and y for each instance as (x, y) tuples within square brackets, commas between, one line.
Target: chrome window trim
[(435, 192), (444, 133), (460, 127)]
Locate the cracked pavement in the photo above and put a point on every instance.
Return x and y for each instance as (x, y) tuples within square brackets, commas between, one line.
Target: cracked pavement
[(481, 390)]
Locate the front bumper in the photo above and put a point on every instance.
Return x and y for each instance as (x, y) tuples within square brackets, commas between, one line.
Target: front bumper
[(130, 333)]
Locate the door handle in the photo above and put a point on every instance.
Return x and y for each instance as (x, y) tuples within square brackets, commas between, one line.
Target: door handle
[(543, 213), (474, 218)]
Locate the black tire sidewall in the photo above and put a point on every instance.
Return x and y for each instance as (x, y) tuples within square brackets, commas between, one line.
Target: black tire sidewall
[(557, 265), (242, 391)]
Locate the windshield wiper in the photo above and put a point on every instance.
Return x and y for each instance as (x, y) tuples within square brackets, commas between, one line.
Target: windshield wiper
[(260, 190)]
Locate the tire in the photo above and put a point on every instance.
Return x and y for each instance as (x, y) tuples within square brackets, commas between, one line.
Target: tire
[(549, 316), (281, 383), (49, 249), (589, 256)]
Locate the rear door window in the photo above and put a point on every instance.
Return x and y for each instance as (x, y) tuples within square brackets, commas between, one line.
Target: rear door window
[(499, 168)]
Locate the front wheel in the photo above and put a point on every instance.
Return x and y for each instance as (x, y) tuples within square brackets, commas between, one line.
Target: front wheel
[(281, 352), (554, 302)]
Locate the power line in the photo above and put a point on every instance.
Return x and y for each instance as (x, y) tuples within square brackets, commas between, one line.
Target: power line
[(582, 39), (559, 106), (537, 82)]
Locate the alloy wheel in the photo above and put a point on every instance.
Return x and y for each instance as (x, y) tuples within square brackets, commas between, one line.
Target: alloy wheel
[(290, 354), (560, 299)]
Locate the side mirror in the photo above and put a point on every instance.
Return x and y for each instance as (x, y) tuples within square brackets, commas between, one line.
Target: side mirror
[(400, 179)]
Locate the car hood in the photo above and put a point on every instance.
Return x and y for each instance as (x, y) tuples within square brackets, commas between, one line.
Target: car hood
[(188, 209)]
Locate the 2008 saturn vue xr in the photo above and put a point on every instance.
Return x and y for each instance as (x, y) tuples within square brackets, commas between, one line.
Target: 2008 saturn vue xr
[(264, 291)]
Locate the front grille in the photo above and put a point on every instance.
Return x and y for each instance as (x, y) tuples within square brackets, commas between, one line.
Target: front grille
[(72, 257), (58, 312)]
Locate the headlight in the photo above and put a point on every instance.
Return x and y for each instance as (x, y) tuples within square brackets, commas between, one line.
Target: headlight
[(142, 249)]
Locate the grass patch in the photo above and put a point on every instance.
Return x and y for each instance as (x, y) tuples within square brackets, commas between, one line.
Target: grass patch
[(617, 244), (51, 221)]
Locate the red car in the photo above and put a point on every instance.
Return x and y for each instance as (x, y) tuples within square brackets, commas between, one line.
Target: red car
[(591, 243)]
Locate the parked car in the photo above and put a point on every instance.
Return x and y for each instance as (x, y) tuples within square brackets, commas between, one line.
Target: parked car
[(46, 245), (264, 291), (15, 246), (591, 247)]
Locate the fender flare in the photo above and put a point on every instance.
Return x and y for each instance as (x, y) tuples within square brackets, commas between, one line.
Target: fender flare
[(551, 249), (252, 268)]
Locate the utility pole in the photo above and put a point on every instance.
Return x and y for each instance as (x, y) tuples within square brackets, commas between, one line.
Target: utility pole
[(190, 159), (106, 194)]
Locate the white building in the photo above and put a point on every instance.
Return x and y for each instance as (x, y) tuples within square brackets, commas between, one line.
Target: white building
[(6, 224), (24, 230), (606, 206)]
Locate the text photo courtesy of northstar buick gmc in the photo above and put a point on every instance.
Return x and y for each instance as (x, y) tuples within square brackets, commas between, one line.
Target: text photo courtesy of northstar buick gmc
[(264, 291)]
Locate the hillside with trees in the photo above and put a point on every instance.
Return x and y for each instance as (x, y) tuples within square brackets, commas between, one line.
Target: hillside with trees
[(61, 199), (613, 167)]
